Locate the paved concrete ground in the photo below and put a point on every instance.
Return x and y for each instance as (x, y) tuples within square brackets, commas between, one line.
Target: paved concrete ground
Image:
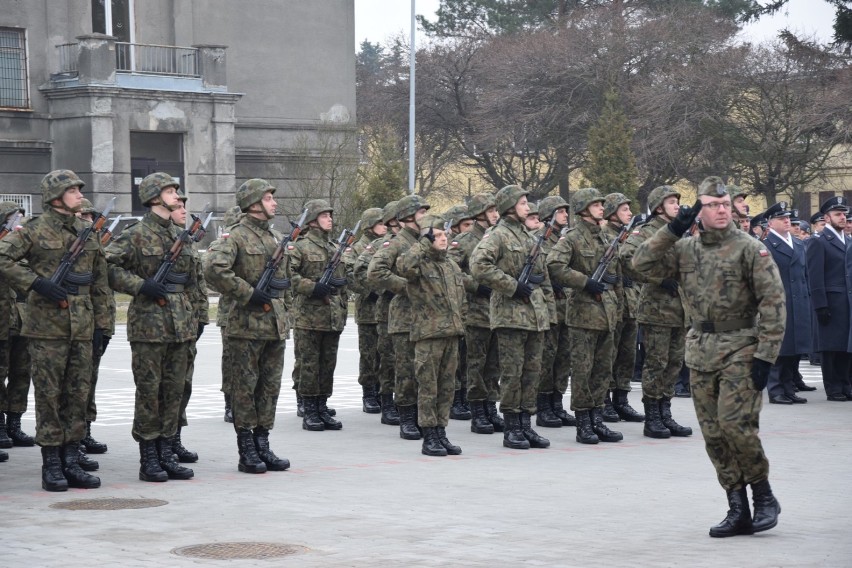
[(362, 495)]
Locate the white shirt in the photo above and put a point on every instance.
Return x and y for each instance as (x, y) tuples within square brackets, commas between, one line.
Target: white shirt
[(788, 239), (840, 236)]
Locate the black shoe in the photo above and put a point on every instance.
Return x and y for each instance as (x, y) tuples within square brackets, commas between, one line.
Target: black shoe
[(310, 416), (369, 402), (74, 474), (250, 461), (681, 392), (183, 455), (608, 413), (4, 456), (13, 428), (431, 444), (654, 427), (149, 462), (623, 409), (265, 453), (603, 432), (513, 436), (738, 521), (85, 462), (556, 403), (408, 423), (52, 478), (669, 422), (837, 397), (797, 399), (327, 417), (585, 434), (169, 462), (533, 437), (494, 416), (91, 445), (5, 440), (390, 415), (804, 387), (457, 410), (780, 399), (480, 424), (766, 506), (545, 417), (452, 449)]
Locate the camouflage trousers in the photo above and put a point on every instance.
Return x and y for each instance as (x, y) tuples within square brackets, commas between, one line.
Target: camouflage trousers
[(61, 371), (624, 341), (483, 372), (519, 355), (316, 356), (187, 385), (728, 410), (461, 368), (227, 362), (387, 359), (159, 371), (435, 363), (555, 360), (405, 387), (591, 366), (14, 374), (256, 381), (91, 406), (368, 351), (664, 349)]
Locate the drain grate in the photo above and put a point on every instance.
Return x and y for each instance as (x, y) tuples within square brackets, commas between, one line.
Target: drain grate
[(239, 550), (108, 504)]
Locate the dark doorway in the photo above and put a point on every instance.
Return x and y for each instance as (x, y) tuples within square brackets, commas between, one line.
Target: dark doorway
[(154, 152)]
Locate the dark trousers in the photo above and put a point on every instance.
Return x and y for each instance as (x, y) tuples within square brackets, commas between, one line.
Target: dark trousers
[(783, 375), (835, 372)]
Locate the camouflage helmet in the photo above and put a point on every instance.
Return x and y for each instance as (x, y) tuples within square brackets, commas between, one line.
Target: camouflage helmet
[(533, 208), (409, 205), (316, 207), (582, 198), (713, 186), (508, 197), (251, 192), (736, 191), (432, 222), (660, 194), (153, 184), (548, 206), (7, 208), (479, 204), (612, 202), (86, 206), (232, 216), (456, 214), (371, 217), (389, 212), (54, 184)]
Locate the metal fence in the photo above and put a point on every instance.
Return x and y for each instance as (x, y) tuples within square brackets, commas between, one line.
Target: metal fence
[(156, 59), (68, 57)]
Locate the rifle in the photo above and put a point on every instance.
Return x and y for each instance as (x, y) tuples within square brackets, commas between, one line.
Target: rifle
[(107, 235), (170, 258), (346, 239), (200, 234), (73, 253), (10, 224), (527, 276), (274, 261), (609, 254)]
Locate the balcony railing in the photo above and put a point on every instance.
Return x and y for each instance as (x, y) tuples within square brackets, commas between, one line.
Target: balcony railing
[(156, 59), (68, 57)]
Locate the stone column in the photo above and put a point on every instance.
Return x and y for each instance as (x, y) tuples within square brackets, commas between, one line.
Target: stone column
[(96, 59)]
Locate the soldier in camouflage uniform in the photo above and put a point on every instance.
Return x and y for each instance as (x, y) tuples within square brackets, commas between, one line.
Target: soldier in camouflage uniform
[(661, 316), (62, 319), (436, 293), (519, 314), (533, 222), (365, 312), (592, 313), (383, 274), (257, 324), (320, 315), (740, 212), (735, 298), (461, 220), (161, 324)]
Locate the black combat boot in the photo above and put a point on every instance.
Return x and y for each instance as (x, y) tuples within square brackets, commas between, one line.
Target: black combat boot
[(229, 413), (326, 416), (738, 520), (608, 413), (265, 453), (91, 445), (52, 478), (494, 416), (300, 406), (654, 427), (535, 440), (603, 432), (85, 462), (149, 462), (545, 416), (250, 462), (585, 434), (559, 410), (13, 428), (480, 424), (4, 456), (513, 436), (457, 410), (390, 415), (5, 440), (408, 423), (623, 408), (666, 415), (431, 444), (169, 462), (183, 455), (369, 403), (766, 506), (73, 472), (310, 417), (452, 449)]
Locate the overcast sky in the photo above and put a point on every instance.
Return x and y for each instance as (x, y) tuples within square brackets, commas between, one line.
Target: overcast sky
[(376, 20)]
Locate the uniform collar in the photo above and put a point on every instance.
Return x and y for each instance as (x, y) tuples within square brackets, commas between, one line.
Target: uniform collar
[(261, 224), (716, 236), (157, 220)]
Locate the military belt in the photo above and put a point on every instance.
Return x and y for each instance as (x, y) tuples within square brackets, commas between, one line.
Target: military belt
[(75, 290), (174, 288), (720, 326)]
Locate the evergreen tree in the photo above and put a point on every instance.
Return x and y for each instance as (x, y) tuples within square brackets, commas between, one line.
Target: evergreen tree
[(611, 165), (383, 174)]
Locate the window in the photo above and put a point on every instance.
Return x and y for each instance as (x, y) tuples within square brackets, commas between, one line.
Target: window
[(14, 89), (112, 17)]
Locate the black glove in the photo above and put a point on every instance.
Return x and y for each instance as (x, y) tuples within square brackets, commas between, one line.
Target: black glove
[(200, 330), (760, 373), (558, 289), (154, 290), (685, 219), (388, 295), (49, 290), (611, 279), (321, 290), (372, 297), (670, 285), (823, 316), (594, 287), (98, 343), (430, 235), (260, 298), (483, 291), (522, 291), (104, 343), (627, 281)]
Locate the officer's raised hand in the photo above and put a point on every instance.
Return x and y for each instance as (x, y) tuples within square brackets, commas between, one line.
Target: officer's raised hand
[(685, 219)]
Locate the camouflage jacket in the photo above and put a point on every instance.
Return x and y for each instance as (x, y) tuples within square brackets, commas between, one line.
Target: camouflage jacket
[(224, 304), (436, 292), (726, 276), (497, 262), (8, 311), (383, 274), (308, 258), (365, 306), (42, 242), (233, 265), (359, 273), (570, 263), (656, 305), (557, 304), (477, 312), (629, 299)]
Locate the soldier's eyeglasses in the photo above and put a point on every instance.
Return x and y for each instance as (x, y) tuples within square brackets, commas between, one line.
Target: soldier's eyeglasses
[(717, 205)]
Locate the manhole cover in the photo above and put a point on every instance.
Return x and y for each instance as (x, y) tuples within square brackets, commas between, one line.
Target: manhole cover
[(239, 550), (109, 504)]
